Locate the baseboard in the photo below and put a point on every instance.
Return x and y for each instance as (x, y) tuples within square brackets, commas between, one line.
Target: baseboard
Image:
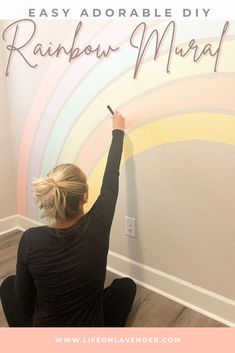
[(25, 223), (8, 224), (192, 296), (16, 222), (208, 303)]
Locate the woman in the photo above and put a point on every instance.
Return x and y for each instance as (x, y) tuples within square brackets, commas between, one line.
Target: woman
[(61, 268)]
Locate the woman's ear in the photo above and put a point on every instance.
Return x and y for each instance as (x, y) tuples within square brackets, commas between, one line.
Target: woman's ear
[(85, 197)]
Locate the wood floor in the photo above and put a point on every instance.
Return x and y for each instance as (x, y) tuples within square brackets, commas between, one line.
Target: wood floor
[(149, 309)]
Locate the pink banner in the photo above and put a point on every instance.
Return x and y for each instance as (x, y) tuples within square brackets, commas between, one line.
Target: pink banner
[(59, 340)]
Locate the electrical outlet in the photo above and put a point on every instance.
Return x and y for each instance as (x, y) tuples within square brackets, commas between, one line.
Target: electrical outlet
[(130, 226)]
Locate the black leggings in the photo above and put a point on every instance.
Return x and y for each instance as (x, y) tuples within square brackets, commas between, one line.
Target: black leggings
[(117, 302)]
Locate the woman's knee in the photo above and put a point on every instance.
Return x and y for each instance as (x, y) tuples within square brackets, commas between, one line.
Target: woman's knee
[(8, 282), (127, 284)]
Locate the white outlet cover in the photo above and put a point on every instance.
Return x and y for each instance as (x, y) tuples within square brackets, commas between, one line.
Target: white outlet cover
[(130, 226)]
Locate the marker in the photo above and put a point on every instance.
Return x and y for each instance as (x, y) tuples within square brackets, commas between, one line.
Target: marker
[(110, 109)]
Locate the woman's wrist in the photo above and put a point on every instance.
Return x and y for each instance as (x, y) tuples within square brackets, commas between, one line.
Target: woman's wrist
[(118, 121)]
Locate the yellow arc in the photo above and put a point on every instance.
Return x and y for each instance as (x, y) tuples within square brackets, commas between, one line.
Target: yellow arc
[(214, 127)]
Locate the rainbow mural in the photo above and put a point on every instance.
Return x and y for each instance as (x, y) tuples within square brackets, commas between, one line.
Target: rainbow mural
[(68, 120)]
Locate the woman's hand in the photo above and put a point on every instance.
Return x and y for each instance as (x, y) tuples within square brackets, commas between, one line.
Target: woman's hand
[(118, 121)]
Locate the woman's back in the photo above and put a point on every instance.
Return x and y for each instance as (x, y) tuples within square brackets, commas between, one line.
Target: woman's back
[(68, 267)]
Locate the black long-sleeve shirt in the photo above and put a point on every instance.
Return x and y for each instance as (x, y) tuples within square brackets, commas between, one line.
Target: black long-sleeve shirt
[(60, 274)]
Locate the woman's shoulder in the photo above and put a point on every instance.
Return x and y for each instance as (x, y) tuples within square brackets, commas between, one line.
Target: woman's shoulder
[(33, 233), (35, 230), (31, 240)]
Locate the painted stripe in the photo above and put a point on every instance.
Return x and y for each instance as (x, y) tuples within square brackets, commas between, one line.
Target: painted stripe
[(198, 126)]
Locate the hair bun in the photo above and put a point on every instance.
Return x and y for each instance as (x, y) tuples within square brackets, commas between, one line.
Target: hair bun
[(60, 193), (51, 181)]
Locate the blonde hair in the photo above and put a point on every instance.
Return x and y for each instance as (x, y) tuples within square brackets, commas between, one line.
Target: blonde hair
[(60, 193)]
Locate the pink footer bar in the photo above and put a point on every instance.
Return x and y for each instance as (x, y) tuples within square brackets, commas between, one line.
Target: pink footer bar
[(121, 340)]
